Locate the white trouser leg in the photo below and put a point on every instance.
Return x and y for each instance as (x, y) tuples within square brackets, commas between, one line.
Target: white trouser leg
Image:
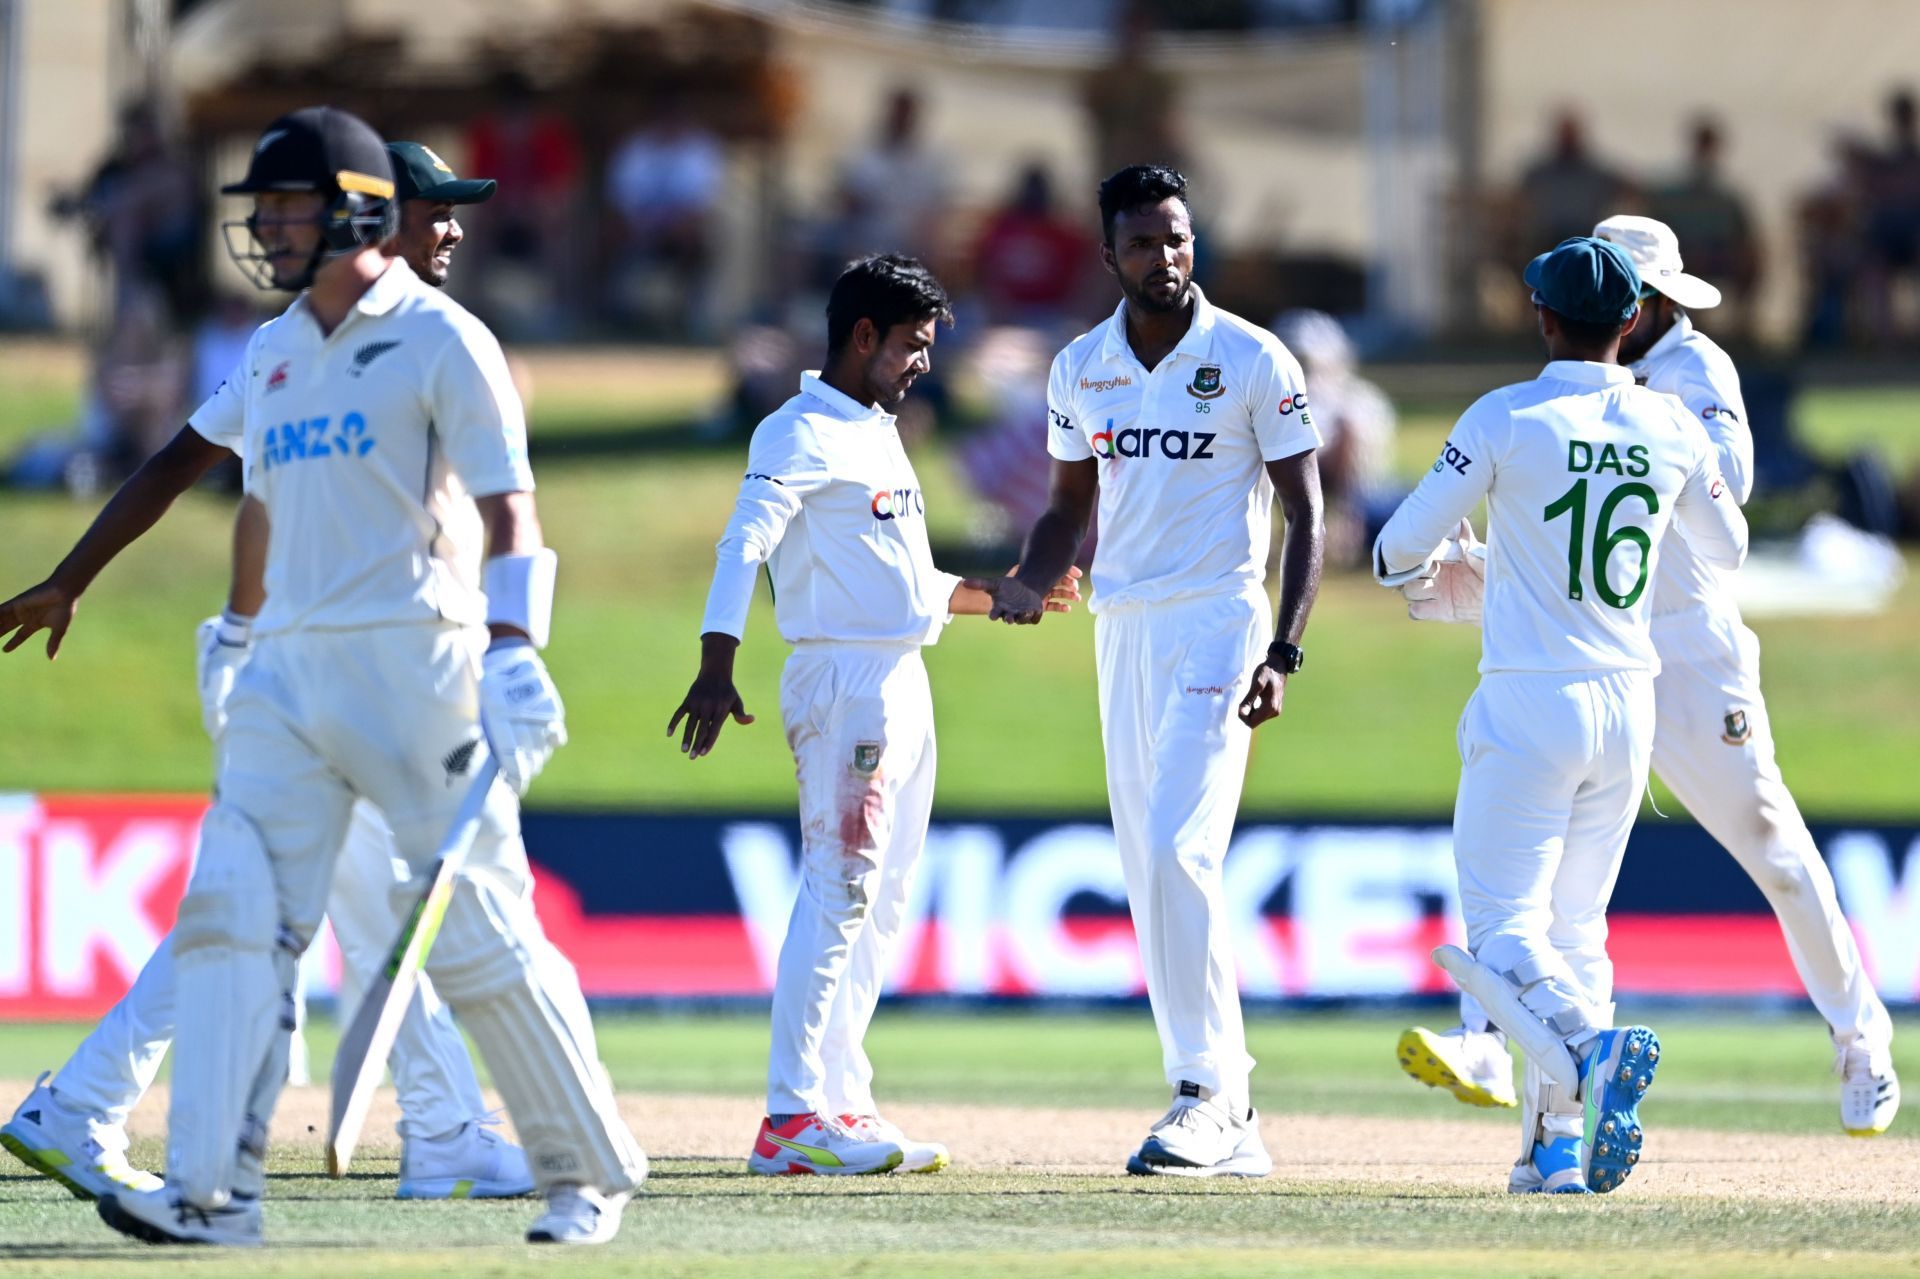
[(431, 1069), (1527, 743), (1733, 787), (115, 1064), (408, 710), (858, 721), (1198, 657), (266, 858), (848, 1078)]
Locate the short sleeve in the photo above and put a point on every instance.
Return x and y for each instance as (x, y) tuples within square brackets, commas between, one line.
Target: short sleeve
[(1277, 404), (476, 413), (222, 419), (1066, 440)]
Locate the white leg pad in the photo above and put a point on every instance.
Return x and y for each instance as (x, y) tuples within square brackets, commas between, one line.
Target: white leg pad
[(1539, 1041), (233, 984), (521, 1000)]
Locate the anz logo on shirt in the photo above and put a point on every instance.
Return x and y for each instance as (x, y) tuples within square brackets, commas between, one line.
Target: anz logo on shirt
[(898, 504), (315, 437)]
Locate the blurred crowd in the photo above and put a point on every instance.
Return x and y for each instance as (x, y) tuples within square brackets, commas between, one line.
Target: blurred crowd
[(622, 231)]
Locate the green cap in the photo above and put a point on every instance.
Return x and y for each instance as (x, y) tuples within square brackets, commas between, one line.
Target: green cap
[(421, 175)]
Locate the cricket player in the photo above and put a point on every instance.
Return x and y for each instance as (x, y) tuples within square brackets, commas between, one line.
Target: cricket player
[(1582, 472), (1184, 422), (1712, 739), (73, 1127), (382, 437), (831, 506)]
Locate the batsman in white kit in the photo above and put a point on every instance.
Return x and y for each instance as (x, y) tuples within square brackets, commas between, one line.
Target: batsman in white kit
[(1185, 421), (831, 506), (1582, 472), (72, 1126), (377, 416), (1712, 739)]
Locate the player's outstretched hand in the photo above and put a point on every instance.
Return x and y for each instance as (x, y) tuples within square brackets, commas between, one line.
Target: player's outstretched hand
[(1065, 593), (1264, 695), (708, 703), (45, 607)]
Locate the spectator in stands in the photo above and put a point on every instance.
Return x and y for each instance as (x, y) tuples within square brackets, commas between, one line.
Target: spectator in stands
[(1031, 263), (894, 192), (1357, 424), (1132, 105), (1711, 220), (1566, 191), (142, 209), (525, 263), (1893, 217), (663, 185), (1832, 220)]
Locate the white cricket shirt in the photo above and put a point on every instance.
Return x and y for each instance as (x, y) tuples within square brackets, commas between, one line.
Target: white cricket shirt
[(1685, 363), (831, 505), (1582, 472), (1186, 508), (367, 447)]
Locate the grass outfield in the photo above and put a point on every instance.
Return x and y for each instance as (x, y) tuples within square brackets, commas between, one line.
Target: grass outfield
[(1376, 1176), (1369, 726)]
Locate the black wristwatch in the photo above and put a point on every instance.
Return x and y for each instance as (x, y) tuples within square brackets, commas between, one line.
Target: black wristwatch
[(1284, 657)]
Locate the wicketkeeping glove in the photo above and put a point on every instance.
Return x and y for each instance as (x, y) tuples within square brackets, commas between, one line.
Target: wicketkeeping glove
[(520, 712), (1456, 588), (222, 646)]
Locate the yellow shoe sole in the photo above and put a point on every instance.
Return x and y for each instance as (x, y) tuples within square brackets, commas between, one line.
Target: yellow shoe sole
[(35, 1160), (1421, 1059)]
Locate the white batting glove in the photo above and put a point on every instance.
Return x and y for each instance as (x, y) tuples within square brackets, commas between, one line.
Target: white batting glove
[(1455, 590), (520, 712), (222, 646)]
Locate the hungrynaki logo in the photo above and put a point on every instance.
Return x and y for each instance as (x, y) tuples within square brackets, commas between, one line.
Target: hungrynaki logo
[(1135, 441), (1105, 384), (891, 504)]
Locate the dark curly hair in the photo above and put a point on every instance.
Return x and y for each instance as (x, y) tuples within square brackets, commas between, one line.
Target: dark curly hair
[(1138, 185), (887, 288)]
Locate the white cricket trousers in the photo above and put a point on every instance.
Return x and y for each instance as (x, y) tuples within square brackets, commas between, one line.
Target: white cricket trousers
[(1552, 769), (859, 718), (391, 714), (1171, 678), (115, 1064), (1713, 747)]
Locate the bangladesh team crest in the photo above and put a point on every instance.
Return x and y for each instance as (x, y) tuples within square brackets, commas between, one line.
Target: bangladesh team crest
[(1738, 730), (1206, 383), (866, 758)]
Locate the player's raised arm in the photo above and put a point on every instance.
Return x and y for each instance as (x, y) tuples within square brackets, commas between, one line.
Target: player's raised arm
[(1415, 535), (135, 508), (1708, 516)]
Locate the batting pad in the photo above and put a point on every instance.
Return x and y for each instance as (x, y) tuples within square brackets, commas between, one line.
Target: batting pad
[(520, 999), (1539, 1041), (230, 983)]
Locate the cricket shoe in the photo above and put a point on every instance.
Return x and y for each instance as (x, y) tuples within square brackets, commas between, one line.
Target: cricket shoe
[(1553, 1169), (80, 1151), (579, 1215), (1614, 1075), (1471, 1064), (915, 1156), (1203, 1135), (164, 1216), (821, 1144), (472, 1162), (1869, 1092)]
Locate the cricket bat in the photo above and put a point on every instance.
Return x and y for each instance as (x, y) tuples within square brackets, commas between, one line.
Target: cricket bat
[(361, 1061)]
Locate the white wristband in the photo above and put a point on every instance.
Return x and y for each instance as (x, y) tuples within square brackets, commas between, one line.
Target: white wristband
[(520, 592)]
